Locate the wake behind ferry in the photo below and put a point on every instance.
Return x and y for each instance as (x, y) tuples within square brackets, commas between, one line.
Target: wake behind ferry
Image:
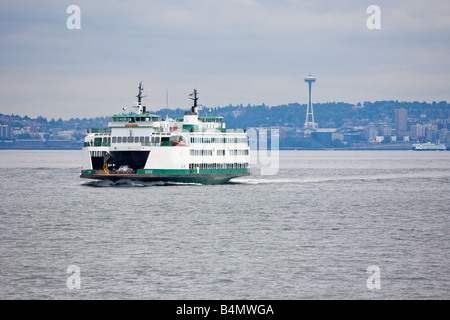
[(141, 146)]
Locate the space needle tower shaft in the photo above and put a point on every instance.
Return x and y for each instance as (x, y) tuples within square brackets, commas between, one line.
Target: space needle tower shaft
[(309, 121)]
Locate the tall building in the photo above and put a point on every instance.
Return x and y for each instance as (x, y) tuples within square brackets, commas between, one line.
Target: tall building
[(417, 131), (309, 121), (385, 129), (401, 116), (370, 133), (5, 131)]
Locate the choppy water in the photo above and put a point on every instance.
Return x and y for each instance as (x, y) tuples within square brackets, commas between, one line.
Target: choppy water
[(308, 232)]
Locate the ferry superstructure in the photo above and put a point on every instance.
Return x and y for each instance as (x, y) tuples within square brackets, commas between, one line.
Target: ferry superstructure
[(140, 145)]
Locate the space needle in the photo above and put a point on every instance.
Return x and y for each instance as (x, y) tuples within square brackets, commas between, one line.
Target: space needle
[(309, 122)]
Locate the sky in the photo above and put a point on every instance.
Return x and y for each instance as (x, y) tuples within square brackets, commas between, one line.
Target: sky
[(231, 51)]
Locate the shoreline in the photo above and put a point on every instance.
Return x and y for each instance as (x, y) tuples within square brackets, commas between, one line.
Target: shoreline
[(281, 149)]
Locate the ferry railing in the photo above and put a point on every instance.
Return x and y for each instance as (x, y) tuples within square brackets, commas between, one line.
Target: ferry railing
[(98, 130), (97, 144), (157, 144), (150, 144)]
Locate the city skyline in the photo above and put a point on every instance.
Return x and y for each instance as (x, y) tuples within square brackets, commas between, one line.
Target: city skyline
[(233, 52), (388, 124)]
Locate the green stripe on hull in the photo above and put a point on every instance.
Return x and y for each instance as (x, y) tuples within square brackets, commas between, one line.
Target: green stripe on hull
[(163, 171), (193, 171), (89, 171)]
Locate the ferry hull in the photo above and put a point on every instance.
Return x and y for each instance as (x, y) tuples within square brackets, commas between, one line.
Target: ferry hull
[(202, 178), (428, 149)]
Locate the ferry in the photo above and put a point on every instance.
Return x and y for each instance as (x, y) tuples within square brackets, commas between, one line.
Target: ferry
[(139, 145), (429, 147)]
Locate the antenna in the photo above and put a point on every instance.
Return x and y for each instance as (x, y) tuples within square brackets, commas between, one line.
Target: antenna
[(195, 98), (140, 96)]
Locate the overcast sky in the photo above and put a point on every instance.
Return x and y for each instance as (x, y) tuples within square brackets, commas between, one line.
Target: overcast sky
[(231, 51)]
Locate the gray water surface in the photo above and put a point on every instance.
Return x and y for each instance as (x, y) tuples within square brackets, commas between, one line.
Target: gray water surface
[(308, 232)]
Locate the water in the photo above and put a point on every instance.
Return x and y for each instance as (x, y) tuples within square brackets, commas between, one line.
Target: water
[(309, 232)]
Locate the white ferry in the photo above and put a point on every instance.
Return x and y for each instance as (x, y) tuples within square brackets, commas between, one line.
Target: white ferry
[(429, 147), (141, 146)]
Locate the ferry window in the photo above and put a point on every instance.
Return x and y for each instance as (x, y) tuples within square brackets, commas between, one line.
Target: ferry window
[(141, 139), (124, 139), (119, 139), (132, 119), (130, 139), (147, 139), (114, 139), (136, 139)]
